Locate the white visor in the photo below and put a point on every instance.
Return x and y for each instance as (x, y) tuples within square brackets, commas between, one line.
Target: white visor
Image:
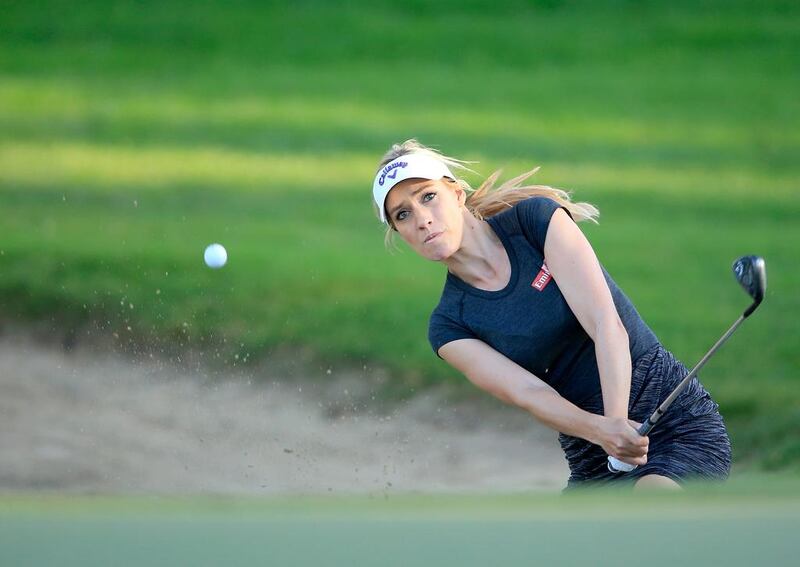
[(409, 166)]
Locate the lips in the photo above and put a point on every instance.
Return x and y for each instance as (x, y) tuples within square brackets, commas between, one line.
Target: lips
[(432, 236)]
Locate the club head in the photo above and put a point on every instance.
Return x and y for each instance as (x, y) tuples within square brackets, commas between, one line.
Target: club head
[(751, 273)]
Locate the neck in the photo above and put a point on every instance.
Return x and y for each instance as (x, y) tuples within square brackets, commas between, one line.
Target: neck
[(481, 260)]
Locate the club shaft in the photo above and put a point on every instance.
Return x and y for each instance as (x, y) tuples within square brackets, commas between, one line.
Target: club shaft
[(650, 422)]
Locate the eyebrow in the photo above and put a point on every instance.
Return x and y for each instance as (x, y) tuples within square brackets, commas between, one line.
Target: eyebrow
[(400, 206)]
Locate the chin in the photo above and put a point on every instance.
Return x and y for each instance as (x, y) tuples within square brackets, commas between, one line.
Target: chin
[(437, 254)]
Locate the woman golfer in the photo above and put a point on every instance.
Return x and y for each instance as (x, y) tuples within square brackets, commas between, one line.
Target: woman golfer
[(528, 314)]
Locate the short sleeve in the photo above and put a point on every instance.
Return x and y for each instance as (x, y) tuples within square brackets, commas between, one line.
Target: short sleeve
[(443, 329), (534, 218)]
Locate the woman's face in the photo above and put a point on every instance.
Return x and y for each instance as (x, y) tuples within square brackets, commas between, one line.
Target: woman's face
[(428, 215)]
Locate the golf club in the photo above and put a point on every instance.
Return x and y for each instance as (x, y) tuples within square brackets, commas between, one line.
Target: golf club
[(751, 273)]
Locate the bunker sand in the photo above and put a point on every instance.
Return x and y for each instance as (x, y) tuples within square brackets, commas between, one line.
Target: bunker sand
[(87, 421)]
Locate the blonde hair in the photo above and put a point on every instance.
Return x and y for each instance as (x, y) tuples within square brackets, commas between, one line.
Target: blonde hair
[(486, 201)]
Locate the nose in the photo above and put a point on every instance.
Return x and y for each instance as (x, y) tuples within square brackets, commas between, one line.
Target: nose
[(423, 217)]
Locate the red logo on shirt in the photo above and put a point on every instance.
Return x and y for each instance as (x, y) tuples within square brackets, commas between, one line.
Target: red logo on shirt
[(542, 278)]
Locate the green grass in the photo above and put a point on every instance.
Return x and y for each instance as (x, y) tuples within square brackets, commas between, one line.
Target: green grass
[(745, 522), (133, 134)]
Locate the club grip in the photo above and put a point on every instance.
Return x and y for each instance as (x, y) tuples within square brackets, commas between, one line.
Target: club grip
[(645, 428)]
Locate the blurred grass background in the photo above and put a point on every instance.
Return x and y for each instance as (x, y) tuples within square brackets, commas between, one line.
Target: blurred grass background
[(133, 134), (745, 522)]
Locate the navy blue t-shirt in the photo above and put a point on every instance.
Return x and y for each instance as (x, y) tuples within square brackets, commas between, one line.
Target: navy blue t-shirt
[(529, 321)]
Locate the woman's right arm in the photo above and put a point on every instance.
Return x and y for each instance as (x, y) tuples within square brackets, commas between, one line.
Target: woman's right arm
[(502, 377)]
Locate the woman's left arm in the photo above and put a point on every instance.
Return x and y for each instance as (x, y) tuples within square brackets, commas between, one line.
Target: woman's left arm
[(574, 265)]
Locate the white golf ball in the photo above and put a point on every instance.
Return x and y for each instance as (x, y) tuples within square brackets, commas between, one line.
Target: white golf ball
[(215, 255)]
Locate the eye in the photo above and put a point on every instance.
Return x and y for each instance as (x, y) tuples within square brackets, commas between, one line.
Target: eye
[(401, 215)]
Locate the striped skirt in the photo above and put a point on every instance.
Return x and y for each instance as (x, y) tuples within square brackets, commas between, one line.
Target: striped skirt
[(688, 442)]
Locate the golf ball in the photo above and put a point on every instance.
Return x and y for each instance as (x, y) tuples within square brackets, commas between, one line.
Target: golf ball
[(215, 255)]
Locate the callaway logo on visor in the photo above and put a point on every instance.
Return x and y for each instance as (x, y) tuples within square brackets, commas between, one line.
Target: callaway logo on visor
[(392, 166)]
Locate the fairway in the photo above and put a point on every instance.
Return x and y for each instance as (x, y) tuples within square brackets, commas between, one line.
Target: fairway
[(738, 525)]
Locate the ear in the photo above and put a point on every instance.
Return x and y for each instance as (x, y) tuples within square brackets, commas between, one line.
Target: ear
[(461, 195), (457, 189)]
